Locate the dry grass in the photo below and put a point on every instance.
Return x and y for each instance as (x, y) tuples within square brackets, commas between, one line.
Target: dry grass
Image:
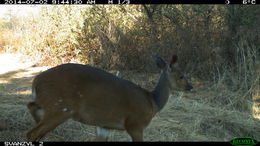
[(193, 116), (10, 40)]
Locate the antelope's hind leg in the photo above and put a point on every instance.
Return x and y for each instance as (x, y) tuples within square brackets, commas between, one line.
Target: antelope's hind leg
[(49, 121), (36, 111)]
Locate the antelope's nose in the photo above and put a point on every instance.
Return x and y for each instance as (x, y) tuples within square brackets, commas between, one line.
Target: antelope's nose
[(189, 87)]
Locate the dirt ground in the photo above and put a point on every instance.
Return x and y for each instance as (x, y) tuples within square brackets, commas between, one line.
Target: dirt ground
[(188, 116)]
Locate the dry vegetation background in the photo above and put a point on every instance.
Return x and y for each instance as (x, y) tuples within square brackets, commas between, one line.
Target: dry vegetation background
[(217, 45)]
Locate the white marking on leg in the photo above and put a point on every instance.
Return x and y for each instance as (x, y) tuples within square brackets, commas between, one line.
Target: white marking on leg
[(129, 138), (40, 113), (102, 132), (117, 73)]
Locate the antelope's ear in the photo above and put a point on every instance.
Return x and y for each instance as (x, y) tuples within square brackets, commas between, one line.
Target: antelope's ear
[(159, 61), (174, 59)]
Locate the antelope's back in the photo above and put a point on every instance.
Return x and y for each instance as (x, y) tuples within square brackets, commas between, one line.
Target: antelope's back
[(76, 84)]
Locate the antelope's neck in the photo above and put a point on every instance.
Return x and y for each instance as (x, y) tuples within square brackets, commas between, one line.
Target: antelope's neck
[(161, 92)]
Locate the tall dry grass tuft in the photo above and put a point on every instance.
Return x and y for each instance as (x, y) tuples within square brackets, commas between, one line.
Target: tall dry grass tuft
[(10, 40), (237, 83)]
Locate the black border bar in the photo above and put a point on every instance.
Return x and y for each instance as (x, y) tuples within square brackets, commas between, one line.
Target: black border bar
[(122, 2), (112, 143)]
